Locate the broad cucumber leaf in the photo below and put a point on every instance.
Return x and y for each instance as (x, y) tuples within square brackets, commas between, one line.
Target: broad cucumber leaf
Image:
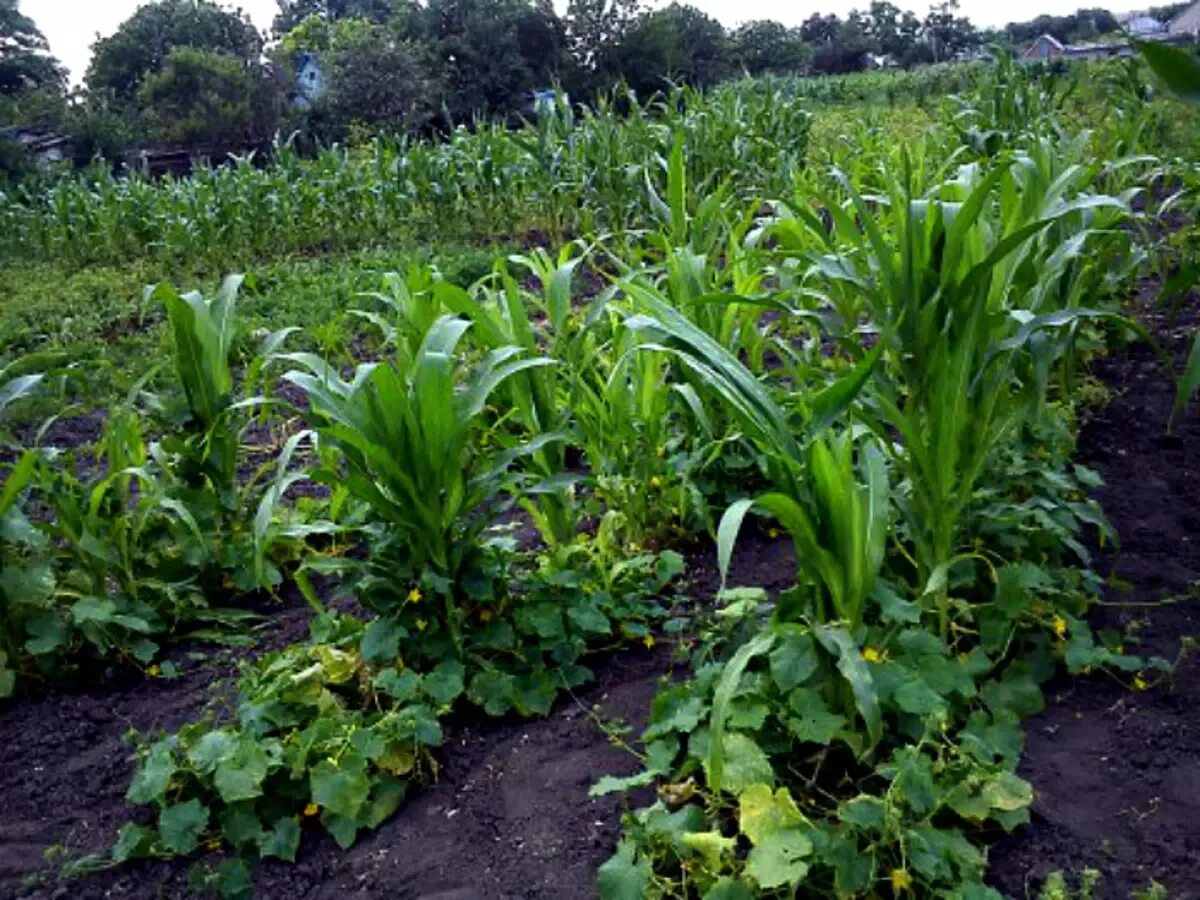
[(794, 660), (133, 842), (762, 812), (180, 825), (624, 877), (381, 641), (712, 846), (240, 774), (918, 698), (1008, 792), (780, 860), (445, 683), (340, 788), (729, 889), (611, 784), (282, 841), (864, 811), (154, 774), (743, 763)]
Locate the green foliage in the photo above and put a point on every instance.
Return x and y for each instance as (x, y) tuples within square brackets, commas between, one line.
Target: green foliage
[(376, 80), (763, 47), (207, 98), (143, 44), (883, 359), (337, 730), (25, 63)]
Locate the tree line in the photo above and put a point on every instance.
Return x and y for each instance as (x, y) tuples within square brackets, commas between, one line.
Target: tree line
[(191, 73)]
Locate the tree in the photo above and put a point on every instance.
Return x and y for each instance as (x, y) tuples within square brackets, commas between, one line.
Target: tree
[(838, 47), (593, 25), (677, 43), (764, 46), (377, 79), (293, 12), (142, 44), (490, 53), (948, 34), (25, 63), (896, 34), (204, 97)]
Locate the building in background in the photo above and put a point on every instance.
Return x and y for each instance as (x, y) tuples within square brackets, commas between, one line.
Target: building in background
[(1045, 47)]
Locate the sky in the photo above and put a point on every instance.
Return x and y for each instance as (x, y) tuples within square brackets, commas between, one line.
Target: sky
[(72, 25)]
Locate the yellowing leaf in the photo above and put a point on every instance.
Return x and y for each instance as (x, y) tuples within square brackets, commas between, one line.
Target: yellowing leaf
[(337, 666), (1008, 793), (711, 845), (761, 813)]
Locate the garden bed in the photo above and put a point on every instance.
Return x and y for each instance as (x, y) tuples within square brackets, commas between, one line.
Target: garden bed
[(509, 816), (1117, 773)]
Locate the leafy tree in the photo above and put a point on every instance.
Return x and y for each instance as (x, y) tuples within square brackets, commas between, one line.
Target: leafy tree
[(25, 63), (143, 43), (838, 47), (377, 79), (592, 26), (203, 97), (948, 34), (98, 129), (818, 29), (1081, 25), (896, 34), (490, 53), (678, 42), (764, 46), (293, 12)]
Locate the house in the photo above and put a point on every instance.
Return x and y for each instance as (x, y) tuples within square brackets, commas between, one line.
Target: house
[(1187, 23), (1144, 26), (45, 147), (1046, 47), (310, 80)]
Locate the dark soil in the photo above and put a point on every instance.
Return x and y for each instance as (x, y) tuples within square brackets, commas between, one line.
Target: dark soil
[(1117, 772), (508, 817)]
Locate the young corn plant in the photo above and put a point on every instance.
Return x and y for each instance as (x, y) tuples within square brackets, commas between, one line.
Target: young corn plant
[(204, 330), (410, 440), (838, 525), (541, 324), (201, 453), (951, 284)]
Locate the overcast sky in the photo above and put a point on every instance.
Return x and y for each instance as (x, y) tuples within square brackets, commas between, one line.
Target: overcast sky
[(72, 25)]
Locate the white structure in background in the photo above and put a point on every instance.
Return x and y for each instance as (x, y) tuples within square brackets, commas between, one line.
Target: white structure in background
[(1144, 26), (310, 80), (1187, 23)]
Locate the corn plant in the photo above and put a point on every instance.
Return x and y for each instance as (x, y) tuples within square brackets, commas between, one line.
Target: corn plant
[(204, 330), (954, 284), (542, 323), (838, 527), (409, 438)]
